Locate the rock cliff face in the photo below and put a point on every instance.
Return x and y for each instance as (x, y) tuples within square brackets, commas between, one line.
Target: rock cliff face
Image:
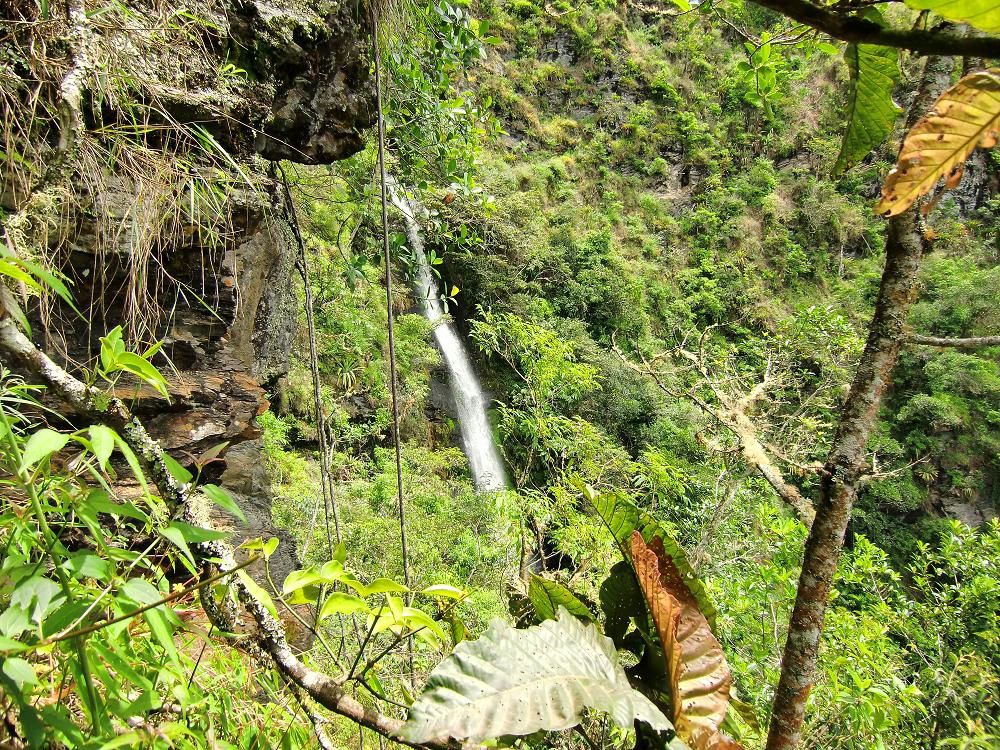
[(178, 228)]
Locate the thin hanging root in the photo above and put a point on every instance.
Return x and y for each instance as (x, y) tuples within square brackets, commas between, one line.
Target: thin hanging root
[(329, 500), (394, 389)]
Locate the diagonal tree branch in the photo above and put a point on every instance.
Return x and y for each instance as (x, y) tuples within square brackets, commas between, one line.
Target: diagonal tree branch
[(732, 415), (852, 28), (215, 557)]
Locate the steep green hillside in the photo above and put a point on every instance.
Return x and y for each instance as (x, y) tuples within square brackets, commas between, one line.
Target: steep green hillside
[(644, 234)]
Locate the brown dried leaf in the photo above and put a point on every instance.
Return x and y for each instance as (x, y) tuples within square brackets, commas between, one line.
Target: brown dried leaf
[(696, 665), (965, 116)]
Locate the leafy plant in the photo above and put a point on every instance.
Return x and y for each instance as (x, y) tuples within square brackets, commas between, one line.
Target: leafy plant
[(115, 359), (515, 682)]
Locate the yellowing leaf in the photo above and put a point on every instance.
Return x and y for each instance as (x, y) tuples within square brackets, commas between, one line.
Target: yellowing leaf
[(983, 14), (696, 664), (965, 116)]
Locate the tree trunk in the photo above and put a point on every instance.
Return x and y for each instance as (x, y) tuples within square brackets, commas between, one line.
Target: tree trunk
[(845, 463)]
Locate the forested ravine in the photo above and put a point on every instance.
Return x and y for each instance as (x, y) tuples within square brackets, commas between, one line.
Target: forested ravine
[(653, 401)]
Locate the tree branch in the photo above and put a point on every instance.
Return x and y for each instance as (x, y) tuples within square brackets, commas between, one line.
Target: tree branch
[(972, 342), (215, 557), (732, 416), (851, 28), (845, 463)]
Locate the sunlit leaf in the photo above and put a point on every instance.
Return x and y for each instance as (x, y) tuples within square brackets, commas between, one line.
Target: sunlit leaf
[(444, 591), (382, 586), (20, 671), (175, 537), (426, 626), (102, 441), (41, 445), (983, 14), (965, 116), (258, 593), (197, 534), (223, 499), (338, 603), (177, 471), (298, 579), (871, 111), (516, 682)]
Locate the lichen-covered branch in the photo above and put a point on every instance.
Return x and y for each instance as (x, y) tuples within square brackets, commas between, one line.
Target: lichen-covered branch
[(972, 342), (854, 28), (846, 464), (269, 640)]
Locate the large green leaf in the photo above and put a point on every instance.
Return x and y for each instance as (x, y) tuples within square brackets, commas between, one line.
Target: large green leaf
[(622, 517), (871, 111), (516, 682), (621, 600), (983, 14), (547, 596)]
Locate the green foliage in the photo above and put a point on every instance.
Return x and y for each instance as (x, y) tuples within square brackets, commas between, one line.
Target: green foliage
[(547, 597), (654, 181), (436, 130), (68, 621), (983, 14), (761, 74), (871, 112), (31, 276), (115, 359)]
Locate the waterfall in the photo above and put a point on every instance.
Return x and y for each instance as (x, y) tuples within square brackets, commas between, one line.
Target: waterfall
[(485, 464)]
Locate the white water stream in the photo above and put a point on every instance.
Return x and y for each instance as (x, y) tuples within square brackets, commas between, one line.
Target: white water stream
[(485, 464)]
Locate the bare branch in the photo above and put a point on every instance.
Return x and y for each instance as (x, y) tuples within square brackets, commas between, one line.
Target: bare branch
[(852, 28), (732, 415), (876, 475), (697, 557), (972, 342), (760, 389)]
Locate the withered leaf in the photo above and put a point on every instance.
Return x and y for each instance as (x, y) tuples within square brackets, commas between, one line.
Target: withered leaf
[(699, 676), (965, 116)]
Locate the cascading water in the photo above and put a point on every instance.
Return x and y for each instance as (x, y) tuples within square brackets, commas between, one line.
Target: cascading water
[(485, 464)]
